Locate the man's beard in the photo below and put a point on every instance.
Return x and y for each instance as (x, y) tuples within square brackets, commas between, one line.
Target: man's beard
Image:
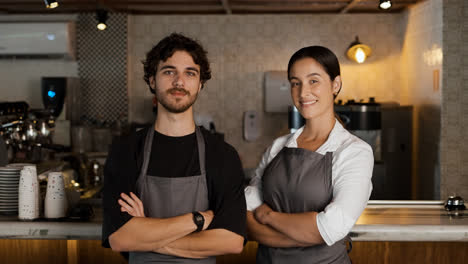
[(175, 107)]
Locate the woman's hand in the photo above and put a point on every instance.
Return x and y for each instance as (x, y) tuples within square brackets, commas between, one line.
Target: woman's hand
[(131, 204), (262, 213)]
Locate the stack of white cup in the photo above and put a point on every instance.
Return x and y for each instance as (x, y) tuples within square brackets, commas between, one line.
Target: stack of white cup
[(28, 194), (55, 204)]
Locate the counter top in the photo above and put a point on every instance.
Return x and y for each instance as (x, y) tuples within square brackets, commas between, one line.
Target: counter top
[(417, 223), (12, 228), (395, 222)]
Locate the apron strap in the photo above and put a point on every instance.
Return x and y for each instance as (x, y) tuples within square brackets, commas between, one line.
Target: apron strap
[(201, 149), (349, 246), (147, 152)]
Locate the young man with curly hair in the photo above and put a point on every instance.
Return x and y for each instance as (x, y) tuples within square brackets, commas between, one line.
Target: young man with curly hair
[(173, 192)]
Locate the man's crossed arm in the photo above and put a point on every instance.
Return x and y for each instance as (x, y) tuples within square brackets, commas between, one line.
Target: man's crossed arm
[(171, 236)]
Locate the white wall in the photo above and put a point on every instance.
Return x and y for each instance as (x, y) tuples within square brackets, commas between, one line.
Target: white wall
[(21, 78)]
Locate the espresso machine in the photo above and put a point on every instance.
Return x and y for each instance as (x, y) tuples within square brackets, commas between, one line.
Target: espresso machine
[(363, 119), (26, 134), (30, 135), (387, 128)]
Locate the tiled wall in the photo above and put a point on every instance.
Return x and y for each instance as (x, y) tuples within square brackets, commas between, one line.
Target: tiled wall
[(421, 59), (454, 149), (242, 48), (102, 67)]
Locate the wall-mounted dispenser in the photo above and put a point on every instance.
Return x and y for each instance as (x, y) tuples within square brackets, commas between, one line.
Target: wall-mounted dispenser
[(277, 92)]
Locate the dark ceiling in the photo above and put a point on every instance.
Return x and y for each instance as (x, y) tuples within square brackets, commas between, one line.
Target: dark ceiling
[(203, 6)]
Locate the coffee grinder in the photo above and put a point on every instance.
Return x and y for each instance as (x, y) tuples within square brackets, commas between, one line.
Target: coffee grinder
[(62, 93), (61, 98)]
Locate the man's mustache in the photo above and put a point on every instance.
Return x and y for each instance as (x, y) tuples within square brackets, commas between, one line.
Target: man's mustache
[(179, 90)]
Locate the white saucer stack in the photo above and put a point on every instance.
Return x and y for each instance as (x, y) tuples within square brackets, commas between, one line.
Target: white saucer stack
[(9, 182)]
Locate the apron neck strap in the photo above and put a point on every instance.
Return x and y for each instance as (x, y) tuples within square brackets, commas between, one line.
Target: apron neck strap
[(201, 149)]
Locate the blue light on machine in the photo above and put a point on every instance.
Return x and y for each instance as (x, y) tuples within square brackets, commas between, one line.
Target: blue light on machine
[(51, 94), (51, 36)]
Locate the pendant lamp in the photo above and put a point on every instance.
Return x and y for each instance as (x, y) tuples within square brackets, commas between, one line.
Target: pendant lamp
[(358, 52)]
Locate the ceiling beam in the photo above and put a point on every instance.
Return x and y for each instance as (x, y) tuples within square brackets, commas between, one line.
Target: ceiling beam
[(351, 4), (226, 7)]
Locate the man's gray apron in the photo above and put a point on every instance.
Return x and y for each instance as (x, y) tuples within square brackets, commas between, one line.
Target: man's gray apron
[(164, 197), (296, 181)]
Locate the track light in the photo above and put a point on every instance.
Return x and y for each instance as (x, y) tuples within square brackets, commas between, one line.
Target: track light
[(358, 52), (101, 16), (51, 4), (385, 4)]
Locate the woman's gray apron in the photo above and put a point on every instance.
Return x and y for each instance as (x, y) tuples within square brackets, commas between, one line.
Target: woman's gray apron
[(296, 181), (165, 197)]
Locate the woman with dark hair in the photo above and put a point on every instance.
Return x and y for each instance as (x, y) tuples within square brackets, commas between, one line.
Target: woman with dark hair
[(311, 186)]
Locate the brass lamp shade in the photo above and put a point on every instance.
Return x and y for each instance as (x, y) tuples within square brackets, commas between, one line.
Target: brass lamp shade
[(358, 52), (51, 4)]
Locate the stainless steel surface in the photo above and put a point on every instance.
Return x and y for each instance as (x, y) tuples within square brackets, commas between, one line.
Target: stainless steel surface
[(365, 108), (405, 202), (81, 139)]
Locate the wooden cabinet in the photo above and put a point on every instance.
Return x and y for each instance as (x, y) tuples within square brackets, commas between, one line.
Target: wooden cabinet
[(22, 251), (90, 252), (383, 253)]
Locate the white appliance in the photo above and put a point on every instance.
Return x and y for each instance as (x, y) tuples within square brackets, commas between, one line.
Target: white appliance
[(277, 92), (38, 39)]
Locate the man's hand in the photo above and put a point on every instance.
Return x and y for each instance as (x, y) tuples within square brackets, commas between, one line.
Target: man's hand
[(262, 214), (208, 215), (132, 205)]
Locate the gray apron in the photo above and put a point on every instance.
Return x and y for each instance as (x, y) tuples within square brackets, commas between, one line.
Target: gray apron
[(164, 197), (296, 181)]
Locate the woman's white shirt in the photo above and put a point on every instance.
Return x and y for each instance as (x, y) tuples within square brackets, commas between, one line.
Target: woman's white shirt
[(352, 166)]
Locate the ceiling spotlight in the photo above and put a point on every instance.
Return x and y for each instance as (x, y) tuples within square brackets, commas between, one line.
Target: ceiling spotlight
[(51, 4), (101, 16), (385, 4), (358, 52)]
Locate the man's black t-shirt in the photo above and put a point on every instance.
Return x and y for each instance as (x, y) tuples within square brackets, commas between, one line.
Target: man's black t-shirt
[(175, 157)]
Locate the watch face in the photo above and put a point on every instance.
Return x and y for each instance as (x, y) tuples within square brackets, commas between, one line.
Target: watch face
[(199, 218)]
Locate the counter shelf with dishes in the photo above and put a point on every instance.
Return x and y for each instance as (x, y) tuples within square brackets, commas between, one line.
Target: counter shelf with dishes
[(411, 221)]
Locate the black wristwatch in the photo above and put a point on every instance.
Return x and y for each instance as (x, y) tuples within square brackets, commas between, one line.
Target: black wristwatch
[(199, 220)]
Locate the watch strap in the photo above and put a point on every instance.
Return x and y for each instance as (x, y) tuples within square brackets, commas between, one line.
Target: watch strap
[(199, 220)]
